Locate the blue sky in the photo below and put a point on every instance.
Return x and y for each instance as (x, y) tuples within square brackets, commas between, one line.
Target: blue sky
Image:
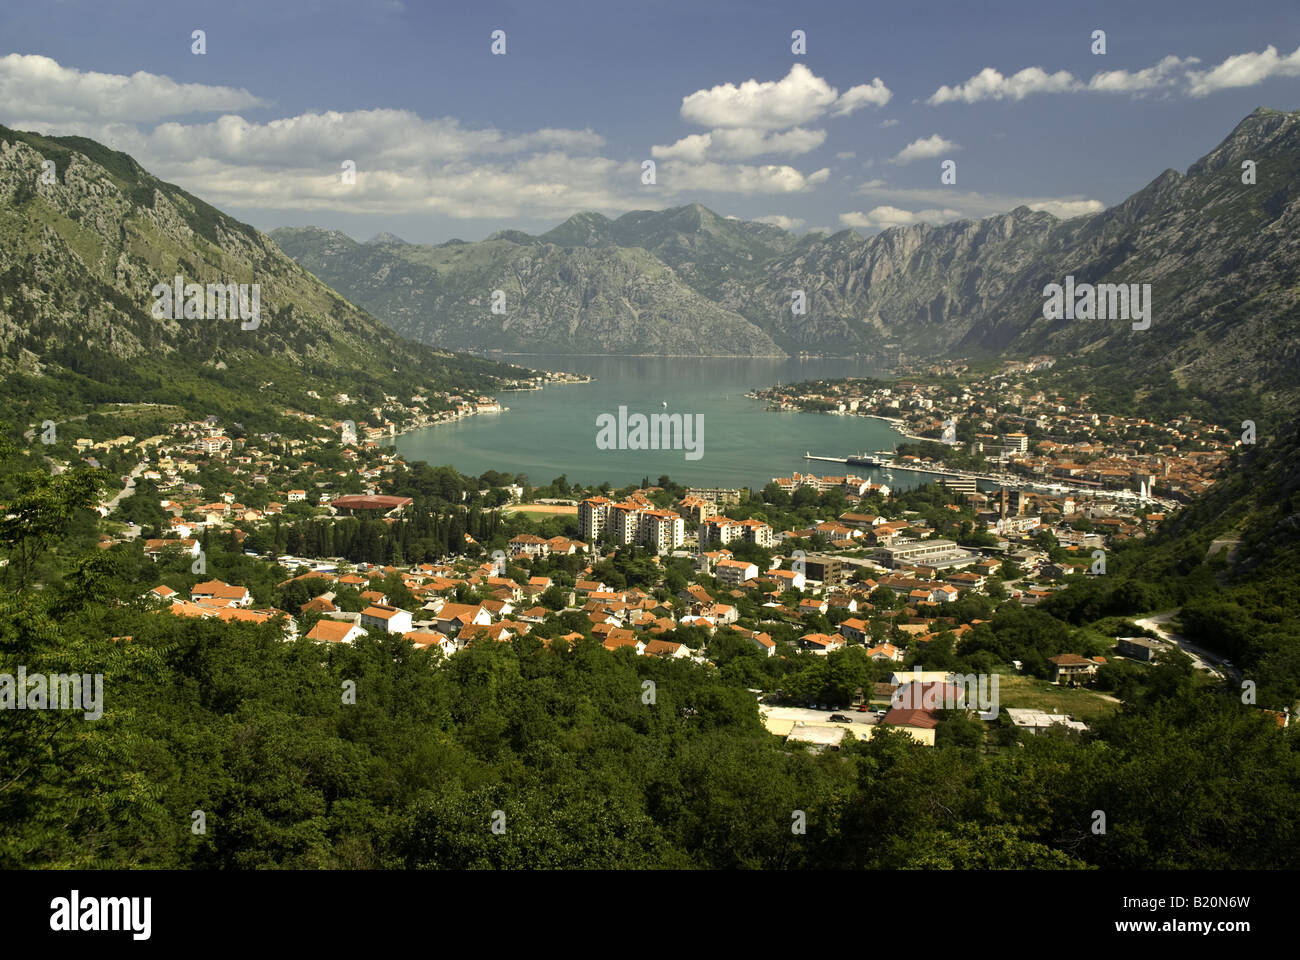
[(452, 141)]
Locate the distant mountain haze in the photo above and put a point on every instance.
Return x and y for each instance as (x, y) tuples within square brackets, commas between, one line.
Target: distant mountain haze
[(1220, 256)]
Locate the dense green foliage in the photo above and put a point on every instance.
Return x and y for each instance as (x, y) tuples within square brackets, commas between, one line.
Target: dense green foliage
[(566, 754)]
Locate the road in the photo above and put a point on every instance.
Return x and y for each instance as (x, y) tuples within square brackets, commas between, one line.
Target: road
[(1202, 658), (128, 489)]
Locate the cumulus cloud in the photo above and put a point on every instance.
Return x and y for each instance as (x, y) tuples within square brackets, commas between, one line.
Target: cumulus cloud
[(740, 144), (678, 177), (931, 146), (873, 94), (1166, 73), (1244, 70), (886, 216), (799, 97), (36, 86), (1065, 209), (989, 84), (891, 122), (782, 221), (1171, 74), (935, 203)]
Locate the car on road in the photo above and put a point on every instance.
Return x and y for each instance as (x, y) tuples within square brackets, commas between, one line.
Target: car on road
[(840, 718)]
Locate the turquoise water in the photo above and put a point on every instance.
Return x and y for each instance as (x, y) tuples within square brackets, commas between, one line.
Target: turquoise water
[(553, 431)]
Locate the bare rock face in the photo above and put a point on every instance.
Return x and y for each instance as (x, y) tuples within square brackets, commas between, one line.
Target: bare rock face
[(1220, 254)]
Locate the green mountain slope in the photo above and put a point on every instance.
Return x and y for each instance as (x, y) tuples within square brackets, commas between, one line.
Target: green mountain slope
[(80, 257)]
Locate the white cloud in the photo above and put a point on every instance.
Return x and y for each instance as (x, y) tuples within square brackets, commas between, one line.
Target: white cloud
[(693, 148), (891, 122), (782, 221), (931, 146), (846, 155), (1244, 70), (740, 144), (677, 177), (873, 94), (1065, 209), (887, 216), (1166, 73), (1171, 73), (799, 97), (971, 204), (36, 86), (989, 84)]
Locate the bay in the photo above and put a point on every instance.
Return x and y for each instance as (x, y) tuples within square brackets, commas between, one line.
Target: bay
[(550, 432)]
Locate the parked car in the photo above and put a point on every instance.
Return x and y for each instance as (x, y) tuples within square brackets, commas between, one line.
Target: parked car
[(823, 707), (881, 713), (840, 718), (863, 708)]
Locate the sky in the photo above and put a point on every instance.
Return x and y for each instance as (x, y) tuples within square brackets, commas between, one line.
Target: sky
[(451, 140)]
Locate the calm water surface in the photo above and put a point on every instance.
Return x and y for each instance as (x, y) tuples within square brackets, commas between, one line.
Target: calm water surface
[(551, 432)]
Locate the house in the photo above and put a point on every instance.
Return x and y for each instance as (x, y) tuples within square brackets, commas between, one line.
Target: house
[(885, 651), (154, 548), (666, 648), (1036, 721), (1071, 666), (618, 638), (854, 630), (430, 640), (787, 579), (453, 616), (1141, 648), (528, 545), (335, 631), (821, 643), (297, 496), (226, 595), (735, 572), (920, 724), (322, 604), (385, 619), (161, 592)]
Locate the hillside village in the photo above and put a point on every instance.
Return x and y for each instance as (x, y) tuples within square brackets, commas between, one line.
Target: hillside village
[(883, 589), (1008, 421), (339, 538)]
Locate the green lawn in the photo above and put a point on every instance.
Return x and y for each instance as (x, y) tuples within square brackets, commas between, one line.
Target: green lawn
[(1081, 704)]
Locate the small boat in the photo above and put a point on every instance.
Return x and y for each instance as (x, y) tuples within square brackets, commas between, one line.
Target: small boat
[(665, 404)]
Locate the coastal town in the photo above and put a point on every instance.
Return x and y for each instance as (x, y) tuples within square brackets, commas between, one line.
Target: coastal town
[(884, 586), (1005, 427)]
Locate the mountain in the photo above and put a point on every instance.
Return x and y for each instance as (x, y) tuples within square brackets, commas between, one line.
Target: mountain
[(82, 246), (1220, 256), (557, 299)]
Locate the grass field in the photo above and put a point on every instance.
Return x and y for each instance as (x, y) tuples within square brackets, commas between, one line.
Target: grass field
[(549, 509), (1085, 705)]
